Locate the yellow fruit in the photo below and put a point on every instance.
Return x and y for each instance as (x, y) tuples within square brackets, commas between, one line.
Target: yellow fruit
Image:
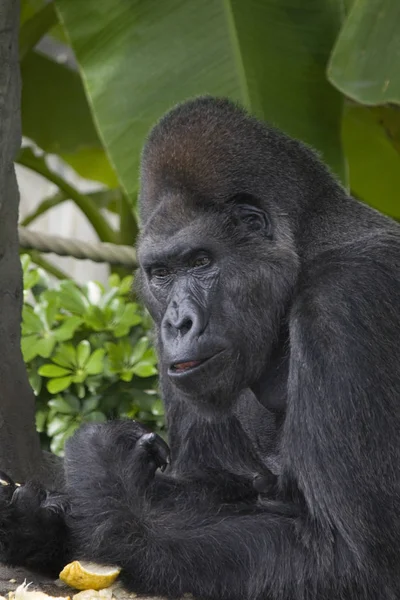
[(89, 576)]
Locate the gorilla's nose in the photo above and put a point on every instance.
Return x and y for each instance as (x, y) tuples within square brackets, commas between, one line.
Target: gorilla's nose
[(184, 325), (182, 319)]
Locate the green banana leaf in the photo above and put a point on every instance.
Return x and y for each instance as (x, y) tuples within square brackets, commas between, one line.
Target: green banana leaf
[(365, 64), (138, 59)]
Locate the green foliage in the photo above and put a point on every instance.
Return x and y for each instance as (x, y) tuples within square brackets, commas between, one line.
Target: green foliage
[(88, 354), (374, 159)]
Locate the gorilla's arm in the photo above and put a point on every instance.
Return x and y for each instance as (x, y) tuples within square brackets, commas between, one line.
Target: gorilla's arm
[(214, 465), (230, 557), (222, 553)]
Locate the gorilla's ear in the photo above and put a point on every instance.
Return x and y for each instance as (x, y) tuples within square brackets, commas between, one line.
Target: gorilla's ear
[(248, 209)]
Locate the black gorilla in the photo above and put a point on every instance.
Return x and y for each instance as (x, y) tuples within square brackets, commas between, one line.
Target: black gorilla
[(276, 301)]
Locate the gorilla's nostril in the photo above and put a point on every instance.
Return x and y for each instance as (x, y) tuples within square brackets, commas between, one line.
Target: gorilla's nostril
[(186, 326)]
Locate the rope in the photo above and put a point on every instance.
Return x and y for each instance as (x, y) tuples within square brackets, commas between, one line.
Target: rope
[(113, 254)]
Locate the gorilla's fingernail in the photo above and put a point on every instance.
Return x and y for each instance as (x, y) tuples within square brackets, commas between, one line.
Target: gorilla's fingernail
[(4, 482), (147, 438)]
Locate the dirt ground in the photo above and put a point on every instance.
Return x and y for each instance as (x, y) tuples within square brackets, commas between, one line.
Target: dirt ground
[(11, 578)]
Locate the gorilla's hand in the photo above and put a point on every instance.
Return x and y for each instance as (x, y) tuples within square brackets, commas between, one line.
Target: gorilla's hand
[(149, 454), (118, 455), (32, 526), (109, 467)]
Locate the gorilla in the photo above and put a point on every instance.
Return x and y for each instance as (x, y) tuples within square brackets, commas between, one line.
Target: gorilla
[(276, 303)]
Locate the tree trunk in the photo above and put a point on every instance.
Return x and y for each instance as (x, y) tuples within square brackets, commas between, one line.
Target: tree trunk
[(20, 454)]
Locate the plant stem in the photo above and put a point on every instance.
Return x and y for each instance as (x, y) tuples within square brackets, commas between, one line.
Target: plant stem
[(43, 207), (84, 203), (128, 226)]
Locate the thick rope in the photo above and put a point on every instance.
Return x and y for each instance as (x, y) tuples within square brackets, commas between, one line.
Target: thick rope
[(114, 254)]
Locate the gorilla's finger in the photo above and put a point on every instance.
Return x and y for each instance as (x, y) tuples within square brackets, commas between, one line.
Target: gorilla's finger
[(157, 448), (5, 479)]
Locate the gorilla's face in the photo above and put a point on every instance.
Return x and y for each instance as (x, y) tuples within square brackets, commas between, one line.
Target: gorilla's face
[(216, 278)]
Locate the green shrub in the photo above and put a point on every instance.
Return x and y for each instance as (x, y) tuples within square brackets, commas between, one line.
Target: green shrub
[(88, 354)]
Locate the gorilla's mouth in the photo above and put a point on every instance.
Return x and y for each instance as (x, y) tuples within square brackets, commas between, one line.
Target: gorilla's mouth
[(186, 366)]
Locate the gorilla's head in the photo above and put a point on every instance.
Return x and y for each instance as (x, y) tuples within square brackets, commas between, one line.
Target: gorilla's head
[(221, 199)]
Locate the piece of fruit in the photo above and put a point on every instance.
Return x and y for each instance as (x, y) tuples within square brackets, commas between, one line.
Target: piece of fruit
[(89, 576), (105, 594)]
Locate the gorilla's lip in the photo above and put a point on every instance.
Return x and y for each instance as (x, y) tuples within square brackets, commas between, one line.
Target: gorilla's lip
[(183, 367)]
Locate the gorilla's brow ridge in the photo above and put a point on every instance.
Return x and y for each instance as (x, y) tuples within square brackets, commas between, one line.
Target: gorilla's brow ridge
[(165, 254)]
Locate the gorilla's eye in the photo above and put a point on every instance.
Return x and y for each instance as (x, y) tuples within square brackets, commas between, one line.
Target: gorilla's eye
[(202, 261), (159, 273)]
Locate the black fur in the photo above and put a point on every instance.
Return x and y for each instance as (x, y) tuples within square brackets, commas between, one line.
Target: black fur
[(284, 476)]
